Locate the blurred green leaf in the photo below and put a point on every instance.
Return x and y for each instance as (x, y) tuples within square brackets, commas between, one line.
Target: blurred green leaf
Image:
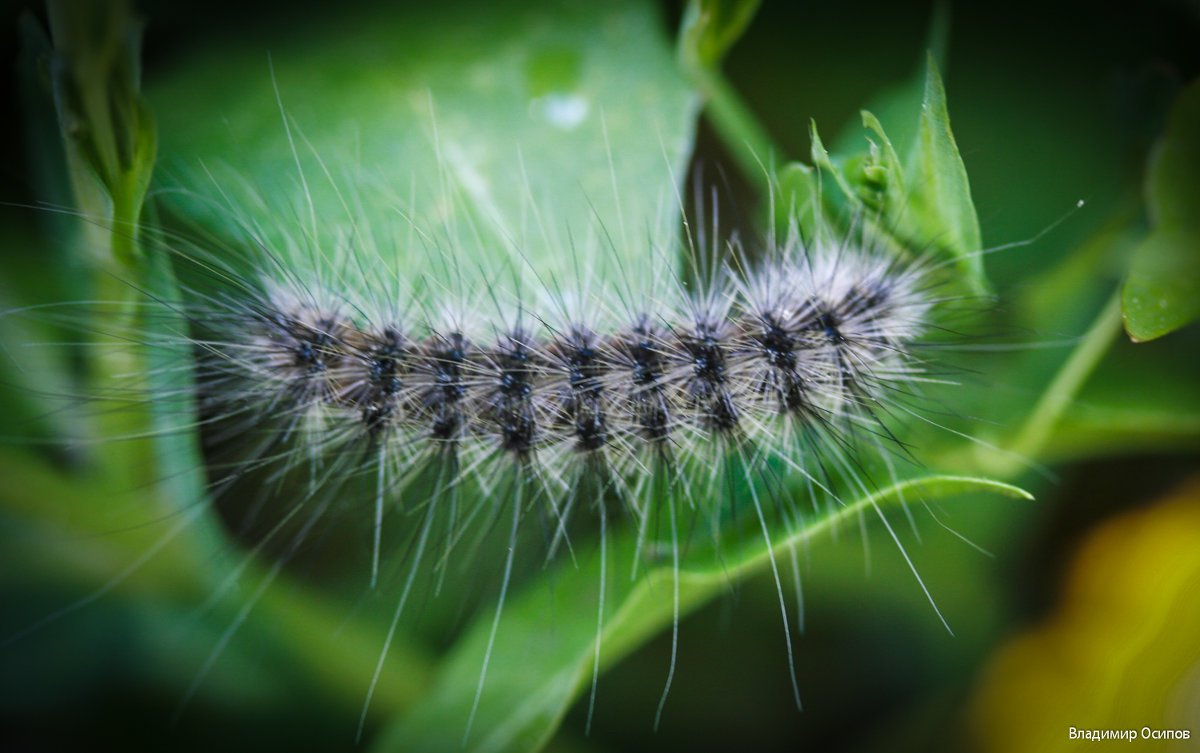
[(544, 650), (534, 136), (108, 130), (129, 544), (710, 27), (1108, 418), (175, 441), (554, 133), (1162, 291), (109, 143), (548, 136), (435, 103)]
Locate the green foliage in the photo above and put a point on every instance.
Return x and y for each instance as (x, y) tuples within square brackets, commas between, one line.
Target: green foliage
[(582, 111), (711, 27), (543, 663), (109, 134), (1162, 292), (923, 198), (460, 126)]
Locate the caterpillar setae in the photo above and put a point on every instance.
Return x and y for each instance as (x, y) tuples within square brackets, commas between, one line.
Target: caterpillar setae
[(455, 394)]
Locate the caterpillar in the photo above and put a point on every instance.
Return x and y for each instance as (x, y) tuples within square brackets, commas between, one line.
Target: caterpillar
[(778, 375), (772, 383), (392, 375), (818, 339)]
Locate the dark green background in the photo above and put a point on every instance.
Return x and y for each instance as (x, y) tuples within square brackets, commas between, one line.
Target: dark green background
[(1049, 105)]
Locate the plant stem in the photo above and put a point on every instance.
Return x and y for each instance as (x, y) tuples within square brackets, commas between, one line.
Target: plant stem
[(741, 132), (1070, 378)]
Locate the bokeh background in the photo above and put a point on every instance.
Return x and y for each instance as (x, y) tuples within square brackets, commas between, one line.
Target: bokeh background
[(1082, 613)]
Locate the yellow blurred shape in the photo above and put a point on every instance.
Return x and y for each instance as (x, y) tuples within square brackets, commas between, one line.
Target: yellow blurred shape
[(1121, 654)]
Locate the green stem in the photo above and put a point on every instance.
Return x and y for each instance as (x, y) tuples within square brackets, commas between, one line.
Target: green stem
[(1070, 378), (741, 132)]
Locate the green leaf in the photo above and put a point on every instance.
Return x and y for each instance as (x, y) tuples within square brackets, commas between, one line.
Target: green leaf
[(570, 120), (797, 200), (550, 138), (939, 193), (535, 135), (544, 650), (108, 131), (557, 135), (823, 161), (109, 144), (1162, 291), (924, 200)]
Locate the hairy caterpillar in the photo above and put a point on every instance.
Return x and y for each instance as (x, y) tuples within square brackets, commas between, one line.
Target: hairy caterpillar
[(774, 387), (774, 378), (259, 328)]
